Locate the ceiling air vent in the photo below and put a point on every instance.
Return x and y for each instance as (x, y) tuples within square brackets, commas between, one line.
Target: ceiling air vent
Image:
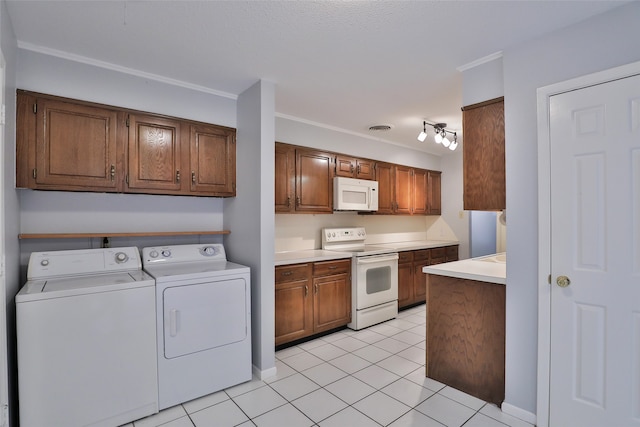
[(380, 128)]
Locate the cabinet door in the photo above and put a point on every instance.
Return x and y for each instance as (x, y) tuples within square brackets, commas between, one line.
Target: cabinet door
[(293, 311), (405, 284), (154, 154), (75, 147), (419, 281), (419, 192), (213, 160), (345, 166), (483, 156), (331, 301), (403, 181), (434, 200), (452, 253), (438, 256), (386, 187), (285, 178), (365, 169), (314, 181)]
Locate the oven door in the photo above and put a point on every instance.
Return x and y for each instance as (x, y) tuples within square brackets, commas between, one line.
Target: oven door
[(376, 280)]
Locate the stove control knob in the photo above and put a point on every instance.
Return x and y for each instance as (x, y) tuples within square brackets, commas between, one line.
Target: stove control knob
[(153, 254), (209, 250), (166, 253), (333, 234), (44, 262), (121, 257), (328, 235)]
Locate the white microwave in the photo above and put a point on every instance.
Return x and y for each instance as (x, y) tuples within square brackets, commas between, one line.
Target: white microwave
[(355, 194)]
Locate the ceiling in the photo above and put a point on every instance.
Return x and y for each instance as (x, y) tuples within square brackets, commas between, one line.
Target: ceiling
[(342, 64)]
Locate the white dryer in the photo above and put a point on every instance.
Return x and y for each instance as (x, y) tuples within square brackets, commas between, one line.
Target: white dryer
[(203, 305), (86, 339)]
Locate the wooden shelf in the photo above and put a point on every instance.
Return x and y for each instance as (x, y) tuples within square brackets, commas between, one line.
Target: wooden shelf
[(106, 234)]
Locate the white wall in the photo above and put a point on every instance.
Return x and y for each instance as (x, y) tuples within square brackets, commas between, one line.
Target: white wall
[(250, 216), (452, 204), (605, 41), (10, 231)]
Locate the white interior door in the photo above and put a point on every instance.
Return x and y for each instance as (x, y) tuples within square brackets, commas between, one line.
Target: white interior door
[(595, 243), (4, 381)]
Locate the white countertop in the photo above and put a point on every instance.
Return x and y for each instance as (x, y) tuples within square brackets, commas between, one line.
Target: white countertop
[(309, 255), (491, 268), (313, 255)]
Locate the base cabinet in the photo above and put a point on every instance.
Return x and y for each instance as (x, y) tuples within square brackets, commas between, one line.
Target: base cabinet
[(466, 336), (412, 287), (311, 298)]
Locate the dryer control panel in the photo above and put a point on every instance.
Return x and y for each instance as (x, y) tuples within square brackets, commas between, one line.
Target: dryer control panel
[(183, 253)]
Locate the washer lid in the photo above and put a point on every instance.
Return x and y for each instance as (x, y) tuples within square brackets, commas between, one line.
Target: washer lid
[(82, 285)]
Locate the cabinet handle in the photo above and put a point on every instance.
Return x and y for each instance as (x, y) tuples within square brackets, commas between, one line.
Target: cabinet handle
[(333, 267), (193, 177), (177, 176), (315, 288), (113, 172), (358, 170), (297, 201), (306, 290), (351, 168), (287, 273), (289, 202)]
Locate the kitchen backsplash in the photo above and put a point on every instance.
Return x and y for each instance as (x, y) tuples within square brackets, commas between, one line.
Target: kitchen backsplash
[(302, 232)]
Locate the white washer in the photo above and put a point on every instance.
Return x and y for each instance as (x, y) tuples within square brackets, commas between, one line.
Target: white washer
[(86, 339), (203, 320)]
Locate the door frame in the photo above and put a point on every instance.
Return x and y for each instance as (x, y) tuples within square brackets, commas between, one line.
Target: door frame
[(544, 220)]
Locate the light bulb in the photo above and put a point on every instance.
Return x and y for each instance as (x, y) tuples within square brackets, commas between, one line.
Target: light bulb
[(453, 145), (446, 142), (438, 138), (422, 136)]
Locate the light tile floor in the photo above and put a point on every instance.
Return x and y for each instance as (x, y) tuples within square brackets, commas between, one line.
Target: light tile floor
[(373, 377)]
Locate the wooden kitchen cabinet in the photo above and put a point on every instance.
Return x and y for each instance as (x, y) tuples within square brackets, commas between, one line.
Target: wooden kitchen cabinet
[(434, 193), (303, 180), (70, 145), (352, 167), (212, 156), (332, 294), (285, 178), (62, 145), (154, 154), (386, 187), (411, 191), (293, 303), (412, 288), (311, 298), (484, 156), (466, 336)]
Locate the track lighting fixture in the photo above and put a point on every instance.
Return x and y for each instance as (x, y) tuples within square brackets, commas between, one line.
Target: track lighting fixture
[(440, 135)]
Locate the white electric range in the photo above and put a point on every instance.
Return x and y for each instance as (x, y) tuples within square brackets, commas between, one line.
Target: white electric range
[(374, 282)]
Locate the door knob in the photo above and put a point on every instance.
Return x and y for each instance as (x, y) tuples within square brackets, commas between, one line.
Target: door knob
[(563, 281)]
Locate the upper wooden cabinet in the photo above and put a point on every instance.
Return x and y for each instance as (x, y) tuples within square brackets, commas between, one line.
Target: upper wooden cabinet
[(352, 167), (303, 180), (62, 145), (70, 145), (483, 156)]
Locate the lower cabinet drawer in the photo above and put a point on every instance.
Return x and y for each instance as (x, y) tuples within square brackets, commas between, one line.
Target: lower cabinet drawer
[(291, 273)]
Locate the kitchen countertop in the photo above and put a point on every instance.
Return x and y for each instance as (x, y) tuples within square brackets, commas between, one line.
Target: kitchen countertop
[(490, 268), (309, 255), (313, 255)]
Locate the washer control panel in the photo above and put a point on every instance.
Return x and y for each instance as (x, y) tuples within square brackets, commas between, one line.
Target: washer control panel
[(183, 253), (84, 261)]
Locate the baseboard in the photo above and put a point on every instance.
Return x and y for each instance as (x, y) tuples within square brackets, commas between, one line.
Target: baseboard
[(264, 374), (514, 411)]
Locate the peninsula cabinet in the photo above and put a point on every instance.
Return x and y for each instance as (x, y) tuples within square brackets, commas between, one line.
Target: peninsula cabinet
[(483, 156), (311, 298), (466, 336), (303, 180), (69, 145)]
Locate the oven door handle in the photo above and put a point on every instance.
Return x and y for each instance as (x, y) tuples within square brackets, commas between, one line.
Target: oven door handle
[(376, 258)]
